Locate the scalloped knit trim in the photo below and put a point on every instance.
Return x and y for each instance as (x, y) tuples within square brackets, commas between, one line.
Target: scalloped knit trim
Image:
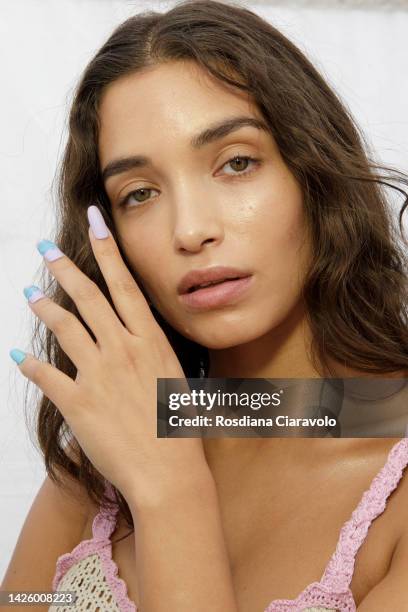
[(339, 570), (315, 594), (103, 526)]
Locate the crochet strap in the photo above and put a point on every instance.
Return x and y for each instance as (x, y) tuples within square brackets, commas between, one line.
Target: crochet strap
[(339, 570), (104, 522)]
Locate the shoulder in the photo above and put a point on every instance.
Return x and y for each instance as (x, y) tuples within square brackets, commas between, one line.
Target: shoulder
[(53, 526)]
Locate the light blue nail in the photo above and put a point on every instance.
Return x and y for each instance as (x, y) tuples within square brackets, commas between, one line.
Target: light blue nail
[(17, 355), (33, 293), (49, 250), (44, 245)]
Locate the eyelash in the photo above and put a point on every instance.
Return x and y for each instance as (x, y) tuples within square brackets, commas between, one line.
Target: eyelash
[(123, 202)]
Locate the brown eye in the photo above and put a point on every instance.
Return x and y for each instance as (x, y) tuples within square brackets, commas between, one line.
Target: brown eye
[(143, 191), (239, 164)]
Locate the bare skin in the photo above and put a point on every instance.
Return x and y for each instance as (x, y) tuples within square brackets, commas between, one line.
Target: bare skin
[(275, 501), (275, 495)]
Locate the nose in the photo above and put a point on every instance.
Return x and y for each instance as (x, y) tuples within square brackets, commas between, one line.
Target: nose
[(197, 223)]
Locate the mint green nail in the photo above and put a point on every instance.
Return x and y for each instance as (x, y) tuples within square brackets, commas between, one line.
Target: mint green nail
[(17, 355)]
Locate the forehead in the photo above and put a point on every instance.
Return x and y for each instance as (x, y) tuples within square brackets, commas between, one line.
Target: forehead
[(172, 100)]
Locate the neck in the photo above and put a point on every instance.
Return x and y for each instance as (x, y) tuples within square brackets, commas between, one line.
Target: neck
[(281, 353)]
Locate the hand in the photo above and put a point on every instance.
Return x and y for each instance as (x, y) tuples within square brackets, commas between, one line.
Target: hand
[(111, 406)]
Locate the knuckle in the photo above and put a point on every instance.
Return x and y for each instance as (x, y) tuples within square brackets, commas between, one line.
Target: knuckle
[(128, 358), (125, 286), (124, 352), (88, 291), (63, 322)]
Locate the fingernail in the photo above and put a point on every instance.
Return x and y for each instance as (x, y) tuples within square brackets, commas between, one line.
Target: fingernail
[(97, 222), (17, 355), (50, 250), (33, 293)]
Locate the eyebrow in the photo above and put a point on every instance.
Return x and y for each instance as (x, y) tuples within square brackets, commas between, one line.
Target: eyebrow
[(214, 132)]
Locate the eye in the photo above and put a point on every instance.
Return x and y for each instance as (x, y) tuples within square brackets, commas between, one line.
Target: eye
[(124, 202), (245, 159)]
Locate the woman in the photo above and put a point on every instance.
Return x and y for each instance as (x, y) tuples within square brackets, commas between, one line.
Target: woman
[(200, 138)]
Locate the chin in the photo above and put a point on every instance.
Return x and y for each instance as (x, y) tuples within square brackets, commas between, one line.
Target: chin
[(226, 332)]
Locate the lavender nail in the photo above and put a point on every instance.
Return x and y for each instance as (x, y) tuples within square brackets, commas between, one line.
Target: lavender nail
[(97, 223)]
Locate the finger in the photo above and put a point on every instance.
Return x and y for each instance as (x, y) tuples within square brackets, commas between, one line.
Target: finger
[(89, 299), (72, 335), (56, 385), (127, 296)]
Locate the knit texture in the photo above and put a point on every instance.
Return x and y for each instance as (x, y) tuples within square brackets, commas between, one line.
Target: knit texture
[(90, 570)]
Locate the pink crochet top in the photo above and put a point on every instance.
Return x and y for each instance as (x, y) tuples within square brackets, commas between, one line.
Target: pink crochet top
[(90, 571)]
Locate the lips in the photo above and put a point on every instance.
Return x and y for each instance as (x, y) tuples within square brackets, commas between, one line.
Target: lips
[(210, 284), (226, 293), (193, 279)]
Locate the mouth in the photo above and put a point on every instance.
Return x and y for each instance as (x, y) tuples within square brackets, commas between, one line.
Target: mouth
[(217, 293), (212, 283)]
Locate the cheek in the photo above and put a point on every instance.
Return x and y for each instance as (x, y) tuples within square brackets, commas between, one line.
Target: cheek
[(279, 243), (275, 222)]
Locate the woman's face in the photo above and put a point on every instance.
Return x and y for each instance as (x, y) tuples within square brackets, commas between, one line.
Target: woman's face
[(193, 207)]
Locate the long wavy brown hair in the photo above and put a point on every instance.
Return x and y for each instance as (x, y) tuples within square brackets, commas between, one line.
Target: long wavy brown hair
[(355, 291)]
